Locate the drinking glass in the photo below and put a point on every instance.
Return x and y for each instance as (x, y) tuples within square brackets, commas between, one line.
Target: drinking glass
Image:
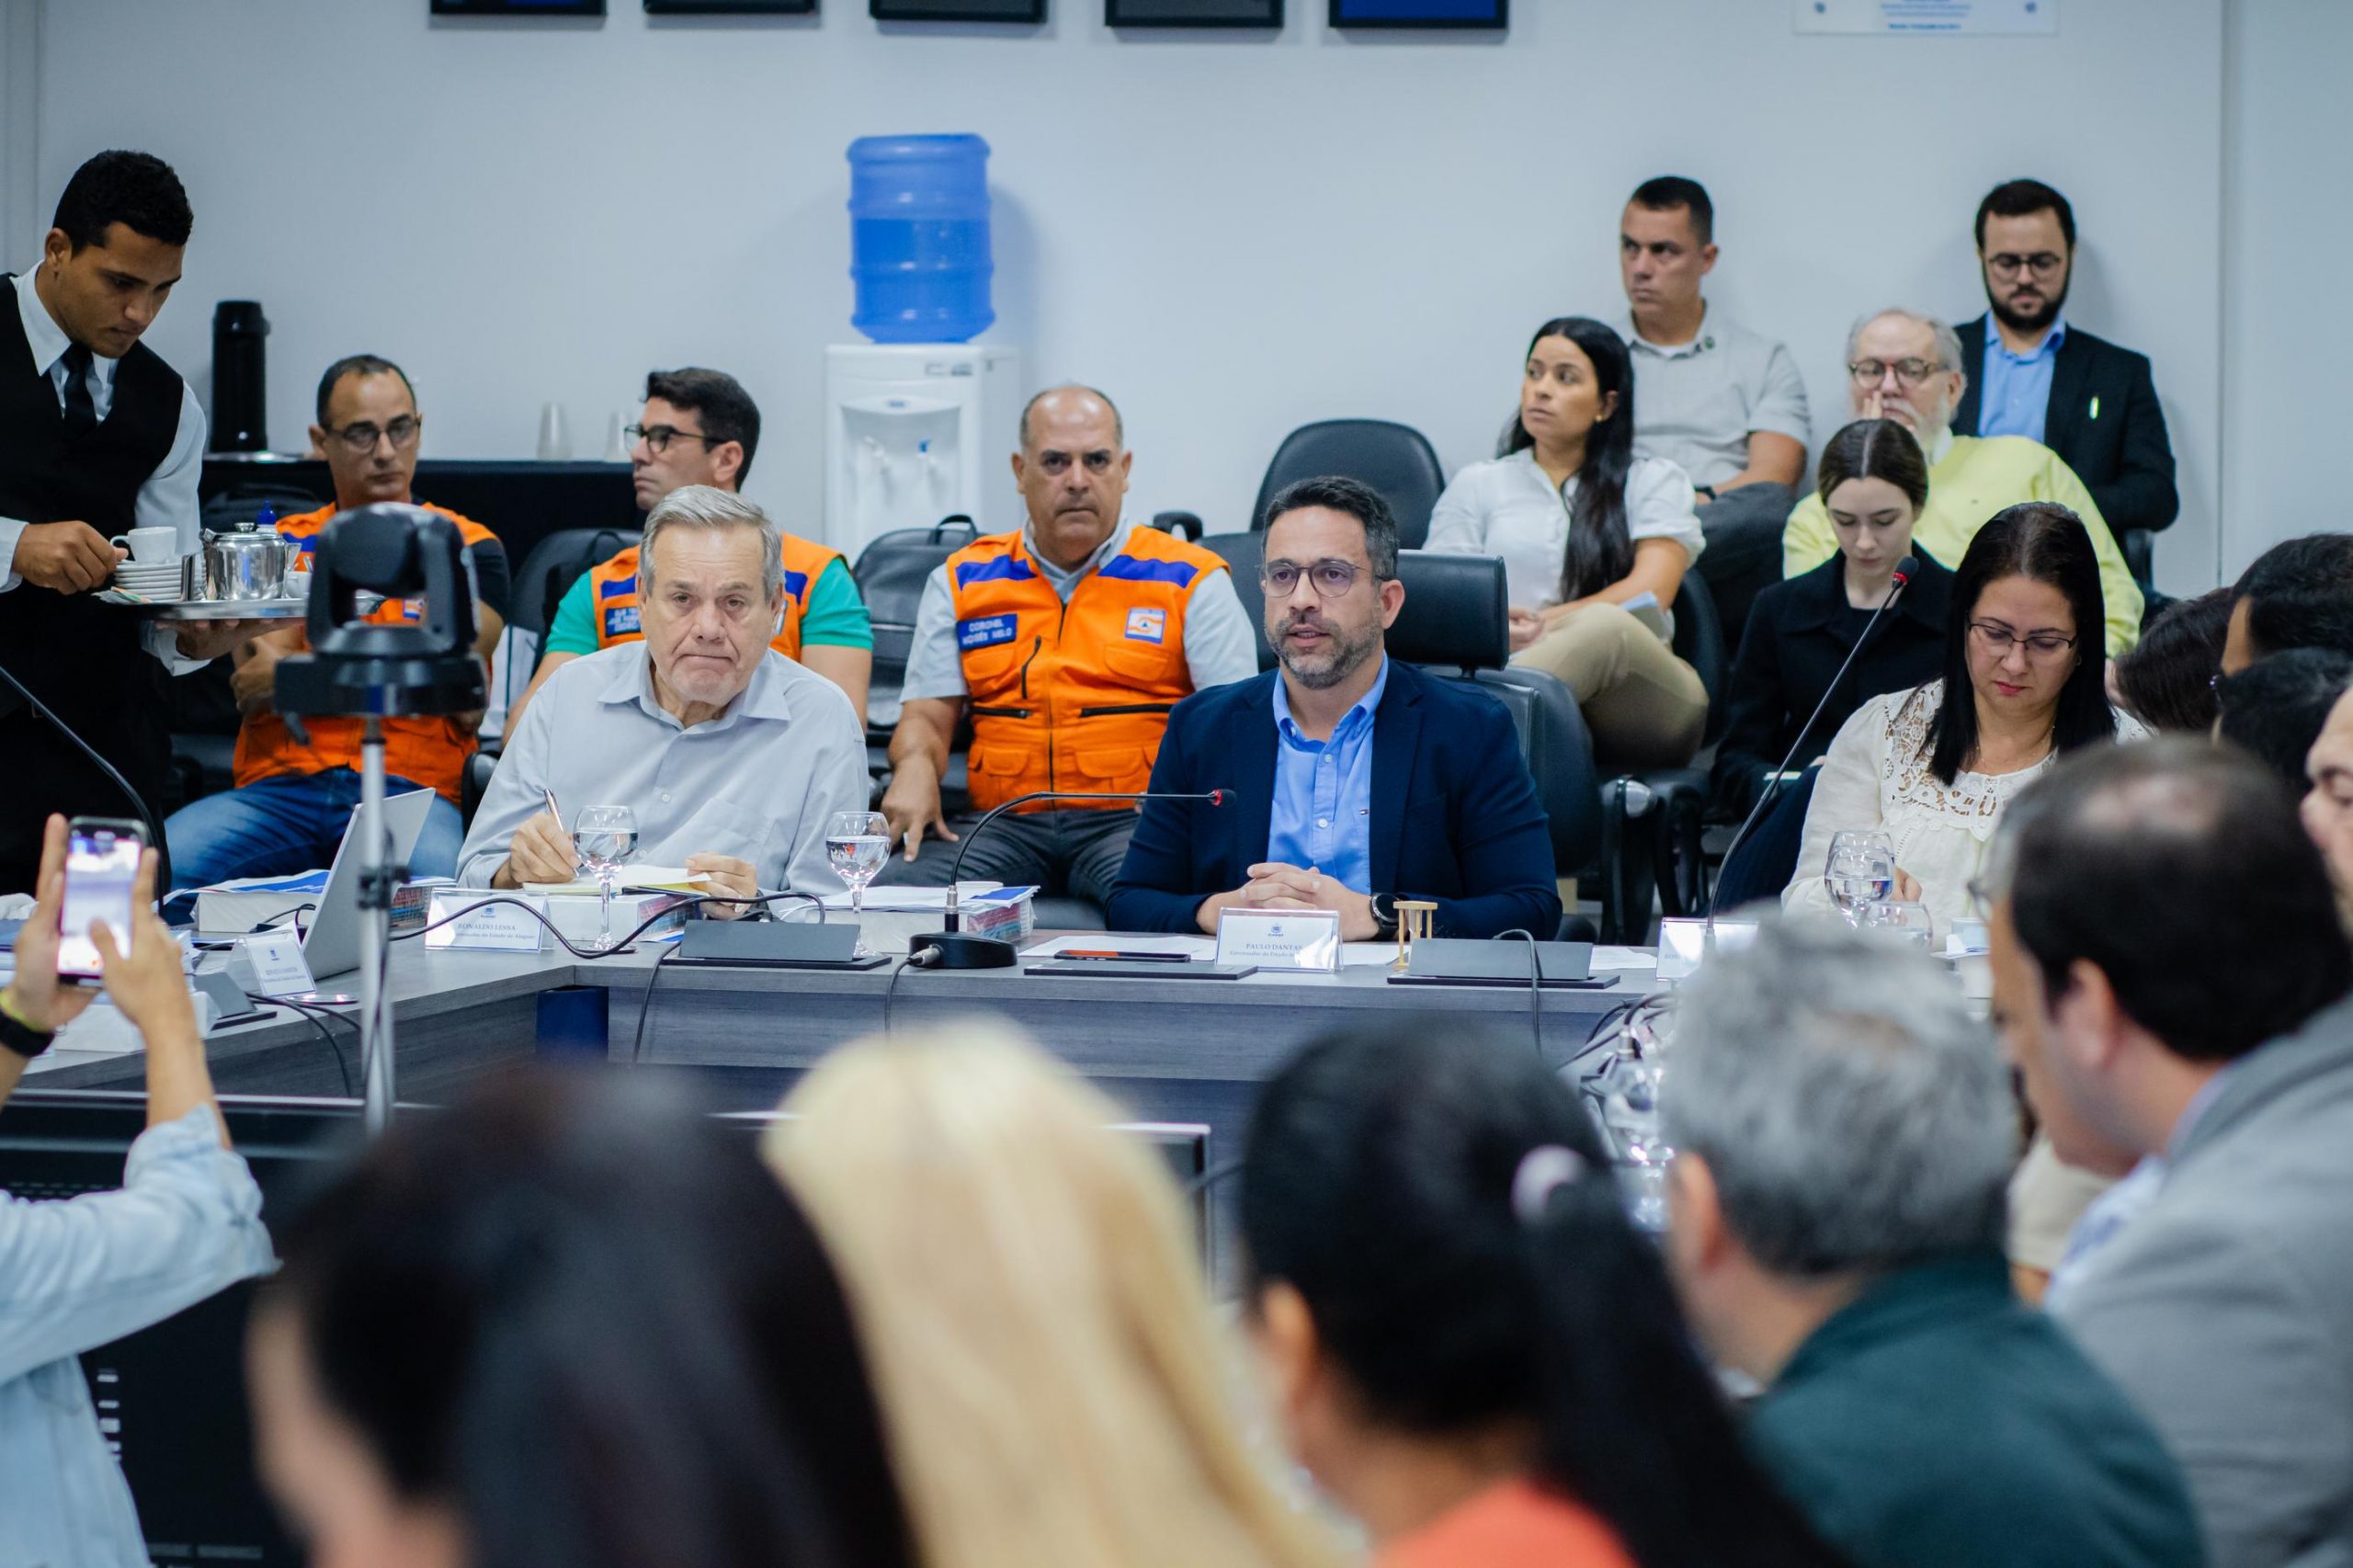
[(1908, 920), (858, 844), (605, 837), (1861, 870)]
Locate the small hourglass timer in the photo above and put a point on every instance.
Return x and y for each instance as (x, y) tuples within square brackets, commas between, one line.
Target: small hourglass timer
[(1414, 916)]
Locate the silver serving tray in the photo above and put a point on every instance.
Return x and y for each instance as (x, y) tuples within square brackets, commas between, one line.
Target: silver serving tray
[(212, 610)]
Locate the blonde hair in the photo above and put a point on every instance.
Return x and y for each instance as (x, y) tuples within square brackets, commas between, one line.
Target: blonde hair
[(1054, 1388)]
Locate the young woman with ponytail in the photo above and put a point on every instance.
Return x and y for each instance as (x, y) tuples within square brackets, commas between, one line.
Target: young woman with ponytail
[(1583, 526), (1472, 1349)]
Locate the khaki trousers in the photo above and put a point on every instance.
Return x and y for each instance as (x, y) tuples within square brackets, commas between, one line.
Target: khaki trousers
[(1645, 707)]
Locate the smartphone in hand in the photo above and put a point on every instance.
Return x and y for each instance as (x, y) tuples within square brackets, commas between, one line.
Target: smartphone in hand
[(101, 866)]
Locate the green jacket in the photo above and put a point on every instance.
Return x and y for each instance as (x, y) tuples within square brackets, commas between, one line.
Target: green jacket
[(1935, 1420)]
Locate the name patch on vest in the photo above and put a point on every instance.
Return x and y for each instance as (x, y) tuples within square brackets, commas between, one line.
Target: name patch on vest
[(986, 630), (620, 621), (1147, 625)]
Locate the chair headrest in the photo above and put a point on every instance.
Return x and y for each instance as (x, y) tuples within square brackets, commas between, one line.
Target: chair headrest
[(1457, 611)]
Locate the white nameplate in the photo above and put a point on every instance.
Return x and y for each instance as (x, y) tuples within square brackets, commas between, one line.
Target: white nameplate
[(1685, 945), (1280, 938), (487, 928), (1926, 19), (278, 967)]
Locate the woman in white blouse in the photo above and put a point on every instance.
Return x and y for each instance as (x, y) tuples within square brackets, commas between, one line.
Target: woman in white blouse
[(1584, 527), (1934, 767)]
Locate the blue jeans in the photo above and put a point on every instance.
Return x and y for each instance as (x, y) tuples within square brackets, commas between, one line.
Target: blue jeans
[(274, 827)]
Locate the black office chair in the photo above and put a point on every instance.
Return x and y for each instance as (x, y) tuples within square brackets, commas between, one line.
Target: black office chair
[(1395, 460), (890, 572), (1455, 623), (1665, 808), (1244, 554)]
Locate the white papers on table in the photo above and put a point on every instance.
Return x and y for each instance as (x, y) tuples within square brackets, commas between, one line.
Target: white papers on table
[(1623, 958), (1356, 955), (1200, 950)]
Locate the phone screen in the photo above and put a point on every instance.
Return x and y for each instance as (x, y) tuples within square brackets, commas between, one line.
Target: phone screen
[(99, 869)]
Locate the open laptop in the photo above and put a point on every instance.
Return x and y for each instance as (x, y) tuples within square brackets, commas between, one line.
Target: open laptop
[(332, 945)]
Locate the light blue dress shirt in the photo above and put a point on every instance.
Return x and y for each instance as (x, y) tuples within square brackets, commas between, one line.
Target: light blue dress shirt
[(1322, 805), (2014, 398), (78, 1273)]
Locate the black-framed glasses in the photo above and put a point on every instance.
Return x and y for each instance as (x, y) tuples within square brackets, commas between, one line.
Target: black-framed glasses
[(1331, 579), (657, 438), (1999, 639), (2009, 264), (1908, 373), (361, 438)]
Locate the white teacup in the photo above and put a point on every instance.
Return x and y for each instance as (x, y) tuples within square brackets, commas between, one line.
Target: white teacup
[(150, 547)]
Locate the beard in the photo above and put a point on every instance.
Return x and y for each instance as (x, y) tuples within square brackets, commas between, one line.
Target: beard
[(1341, 656), (2010, 317)]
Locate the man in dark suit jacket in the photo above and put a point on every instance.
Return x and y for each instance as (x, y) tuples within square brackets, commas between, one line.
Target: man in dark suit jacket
[(1356, 780), (2032, 374)]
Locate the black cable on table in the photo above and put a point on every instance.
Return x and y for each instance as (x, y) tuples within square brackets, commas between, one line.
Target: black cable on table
[(1535, 989), (645, 1006), (580, 952), (311, 1017)]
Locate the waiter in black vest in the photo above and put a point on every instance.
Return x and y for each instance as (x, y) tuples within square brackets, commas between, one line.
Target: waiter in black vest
[(97, 436)]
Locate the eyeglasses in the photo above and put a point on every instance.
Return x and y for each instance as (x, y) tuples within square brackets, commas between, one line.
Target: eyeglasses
[(657, 438), (1908, 373), (362, 439), (2009, 264), (1998, 640), (1331, 579)]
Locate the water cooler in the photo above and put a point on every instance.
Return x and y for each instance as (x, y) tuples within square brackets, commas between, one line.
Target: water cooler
[(916, 431), (919, 423)]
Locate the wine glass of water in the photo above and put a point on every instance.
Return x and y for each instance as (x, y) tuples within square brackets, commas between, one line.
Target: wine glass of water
[(858, 844), (1911, 922), (1861, 870), (605, 837)]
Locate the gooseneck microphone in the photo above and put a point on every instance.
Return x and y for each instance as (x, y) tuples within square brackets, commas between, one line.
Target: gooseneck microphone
[(1903, 580), (146, 818), (951, 949)]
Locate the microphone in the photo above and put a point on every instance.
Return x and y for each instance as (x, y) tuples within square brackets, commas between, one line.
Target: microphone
[(146, 818), (1903, 580), (951, 949)]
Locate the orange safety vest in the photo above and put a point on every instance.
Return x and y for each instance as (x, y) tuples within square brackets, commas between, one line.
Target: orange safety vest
[(431, 752), (612, 589), (1075, 696)]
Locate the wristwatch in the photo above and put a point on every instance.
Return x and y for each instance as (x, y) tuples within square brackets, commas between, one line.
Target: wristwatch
[(1384, 917), (19, 1036)]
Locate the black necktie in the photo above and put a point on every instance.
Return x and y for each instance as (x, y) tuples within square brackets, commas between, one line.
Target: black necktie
[(81, 414)]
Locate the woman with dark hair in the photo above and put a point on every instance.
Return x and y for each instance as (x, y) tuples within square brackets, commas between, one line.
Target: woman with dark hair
[(2166, 680), (2025, 679), (1874, 481), (1472, 1348), (569, 1323), (1592, 538)]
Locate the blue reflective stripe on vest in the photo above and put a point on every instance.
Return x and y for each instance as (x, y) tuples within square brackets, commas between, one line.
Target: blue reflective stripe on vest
[(617, 587), (1130, 569), (1008, 568)]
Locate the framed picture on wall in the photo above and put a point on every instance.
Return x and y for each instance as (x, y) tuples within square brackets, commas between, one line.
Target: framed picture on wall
[(1024, 11), (1421, 13), (518, 7), (730, 7), (1193, 13)]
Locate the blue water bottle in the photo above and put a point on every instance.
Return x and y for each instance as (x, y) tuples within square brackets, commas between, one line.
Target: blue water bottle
[(919, 238)]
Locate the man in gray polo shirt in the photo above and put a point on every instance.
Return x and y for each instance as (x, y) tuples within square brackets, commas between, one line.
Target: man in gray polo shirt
[(1718, 401)]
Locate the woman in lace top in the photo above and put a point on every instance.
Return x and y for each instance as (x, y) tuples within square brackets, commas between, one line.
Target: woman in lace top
[(1934, 767)]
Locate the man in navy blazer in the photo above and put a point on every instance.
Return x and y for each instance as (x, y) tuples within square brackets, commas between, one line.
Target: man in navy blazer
[(1355, 780)]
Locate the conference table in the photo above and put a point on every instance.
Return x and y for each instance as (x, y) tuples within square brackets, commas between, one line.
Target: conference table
[(1169, 1050)]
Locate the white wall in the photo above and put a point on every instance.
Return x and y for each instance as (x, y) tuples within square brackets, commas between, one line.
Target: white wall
[(1231, 233), (2286, 228)]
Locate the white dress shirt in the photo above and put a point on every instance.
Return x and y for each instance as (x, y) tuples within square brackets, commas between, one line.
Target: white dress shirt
[(1876, 775), (1508, 507), (167, 499), (78, 1273), (1221, 646), (758, 782)]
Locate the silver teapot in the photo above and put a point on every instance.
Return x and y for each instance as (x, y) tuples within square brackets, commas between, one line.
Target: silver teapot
[(245, 562)]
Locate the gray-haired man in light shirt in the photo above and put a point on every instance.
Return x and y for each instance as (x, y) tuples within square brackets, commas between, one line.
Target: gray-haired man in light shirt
[(731, 756), (1718, 401)]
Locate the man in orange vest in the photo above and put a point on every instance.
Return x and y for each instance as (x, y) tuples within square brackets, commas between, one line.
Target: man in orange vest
[(292, 802), (701, 427), (1070, 640)]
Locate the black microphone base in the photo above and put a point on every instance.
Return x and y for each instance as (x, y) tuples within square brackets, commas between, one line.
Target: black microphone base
[(960, 949)]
